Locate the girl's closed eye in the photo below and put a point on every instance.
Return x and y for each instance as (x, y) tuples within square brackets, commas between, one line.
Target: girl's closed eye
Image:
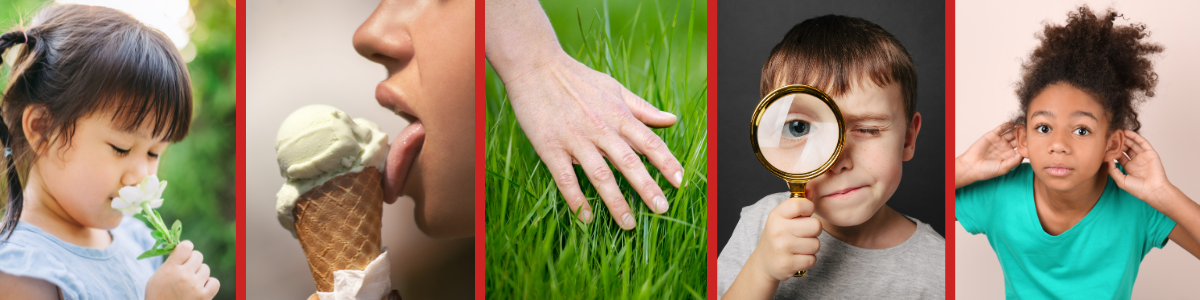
[(120, 151)]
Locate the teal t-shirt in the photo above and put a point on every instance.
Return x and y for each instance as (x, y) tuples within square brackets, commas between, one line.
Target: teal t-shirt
[(1098, 258)]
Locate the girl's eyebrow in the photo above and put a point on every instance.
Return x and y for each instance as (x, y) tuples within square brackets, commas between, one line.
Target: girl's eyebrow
[(1078, 113)]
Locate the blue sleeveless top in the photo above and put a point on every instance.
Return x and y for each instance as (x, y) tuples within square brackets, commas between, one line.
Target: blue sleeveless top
[(81, 272)]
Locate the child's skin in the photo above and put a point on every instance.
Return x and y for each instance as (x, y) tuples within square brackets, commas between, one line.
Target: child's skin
[(428, 49), (848, 200), (1068, 140), (69, 194)]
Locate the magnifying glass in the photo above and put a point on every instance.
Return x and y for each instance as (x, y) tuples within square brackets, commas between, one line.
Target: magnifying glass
[(797, 133)]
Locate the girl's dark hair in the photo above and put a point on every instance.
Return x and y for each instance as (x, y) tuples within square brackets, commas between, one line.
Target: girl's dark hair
[(78, 60), (1111, 63)]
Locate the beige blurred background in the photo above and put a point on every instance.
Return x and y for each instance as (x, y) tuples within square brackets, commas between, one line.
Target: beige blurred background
[(991, 40), (300, 53)]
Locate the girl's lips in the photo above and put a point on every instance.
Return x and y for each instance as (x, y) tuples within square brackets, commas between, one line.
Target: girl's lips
[(401, 154), (1058, 170)]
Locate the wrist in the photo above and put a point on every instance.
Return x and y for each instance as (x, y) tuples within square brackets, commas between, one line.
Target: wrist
[(961, 175)]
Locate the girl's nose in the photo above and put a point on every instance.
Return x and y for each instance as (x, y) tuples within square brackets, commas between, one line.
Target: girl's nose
[(1058, 145), (135, 174), (384, 38)]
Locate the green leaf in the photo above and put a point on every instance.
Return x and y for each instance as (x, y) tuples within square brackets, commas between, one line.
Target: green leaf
[(177, 230), (155, 252), (158, 236)]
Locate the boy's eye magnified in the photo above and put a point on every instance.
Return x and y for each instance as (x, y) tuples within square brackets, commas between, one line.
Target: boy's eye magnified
[(797, 128)]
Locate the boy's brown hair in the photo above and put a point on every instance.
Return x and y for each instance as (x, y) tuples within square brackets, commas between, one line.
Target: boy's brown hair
[(832, 53)]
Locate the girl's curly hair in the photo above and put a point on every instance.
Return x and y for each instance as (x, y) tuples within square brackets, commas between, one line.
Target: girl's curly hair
[(1108, 62)]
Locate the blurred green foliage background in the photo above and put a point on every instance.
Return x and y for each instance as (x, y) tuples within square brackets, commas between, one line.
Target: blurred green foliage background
[(201, 168)]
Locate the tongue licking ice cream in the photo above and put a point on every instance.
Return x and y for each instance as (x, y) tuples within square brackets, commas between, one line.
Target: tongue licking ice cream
[(333, 200), (317, 143)]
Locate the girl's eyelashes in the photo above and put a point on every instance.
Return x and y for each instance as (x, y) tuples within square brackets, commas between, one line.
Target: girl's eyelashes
[(152, 154), (120, 151), (1082, 131), (1042, 128)]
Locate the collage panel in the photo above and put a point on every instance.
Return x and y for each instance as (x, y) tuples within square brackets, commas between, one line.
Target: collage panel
[(865, 213), (596, 150), (1046, 97), (119, 150), (358, 150)]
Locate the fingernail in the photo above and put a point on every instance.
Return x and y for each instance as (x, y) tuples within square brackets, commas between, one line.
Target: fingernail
[(671, 114), (678, 178), (627, 219), (585, 215), (660, 204)]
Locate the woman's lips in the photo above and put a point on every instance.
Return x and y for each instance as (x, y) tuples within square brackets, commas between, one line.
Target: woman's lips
[(402, 153), (843, 192), (1058, 170)]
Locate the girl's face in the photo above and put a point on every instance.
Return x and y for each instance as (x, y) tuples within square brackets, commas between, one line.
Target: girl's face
[(84, 177), (428, 49), (1066, 137)]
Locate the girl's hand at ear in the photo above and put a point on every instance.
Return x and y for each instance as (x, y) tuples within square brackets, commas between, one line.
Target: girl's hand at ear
[(992, 155), (1144, 175), (182, 276)]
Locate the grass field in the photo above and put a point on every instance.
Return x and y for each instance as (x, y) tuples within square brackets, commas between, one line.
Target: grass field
[(535, 247)]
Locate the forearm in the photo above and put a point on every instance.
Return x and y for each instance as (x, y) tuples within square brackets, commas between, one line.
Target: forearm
[(960, 174), (751, 285), (519, 37), (1181, 209)]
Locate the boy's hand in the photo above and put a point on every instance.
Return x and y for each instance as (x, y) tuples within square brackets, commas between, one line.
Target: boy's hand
[(992, 155), (182, 276), (789, 241), (1146, 178)]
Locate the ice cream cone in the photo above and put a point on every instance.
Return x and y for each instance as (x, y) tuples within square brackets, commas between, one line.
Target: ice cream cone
[(339, 224)]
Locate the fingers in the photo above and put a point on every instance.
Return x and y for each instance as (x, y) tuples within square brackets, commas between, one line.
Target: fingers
[(805, 227), (194, 262), (211, 286), (630, 164), (181, 253), (795, 208), (645, 112), (805, 246), (800, 262), (1116, 174), (564, 177), (649, 144), (602, 178)]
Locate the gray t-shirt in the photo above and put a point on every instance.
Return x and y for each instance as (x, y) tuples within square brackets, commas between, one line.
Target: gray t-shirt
[(915, 269)]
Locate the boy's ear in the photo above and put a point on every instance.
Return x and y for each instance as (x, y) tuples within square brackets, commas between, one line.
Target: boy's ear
[(1022, 140), (1115, 146), (910, 136), (34, 121)]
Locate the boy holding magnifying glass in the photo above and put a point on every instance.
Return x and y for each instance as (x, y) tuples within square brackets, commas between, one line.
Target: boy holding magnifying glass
[(852, 245)]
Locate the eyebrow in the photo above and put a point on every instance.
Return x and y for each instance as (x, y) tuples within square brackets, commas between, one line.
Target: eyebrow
[(868, 117), (1078, 113)]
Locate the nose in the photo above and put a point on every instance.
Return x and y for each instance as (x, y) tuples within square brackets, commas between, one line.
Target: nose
[(845, 161), (136, 172), (1058, 144), (384, 39)]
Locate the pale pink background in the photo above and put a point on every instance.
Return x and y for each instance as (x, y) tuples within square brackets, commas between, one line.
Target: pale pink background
[(991, 40)]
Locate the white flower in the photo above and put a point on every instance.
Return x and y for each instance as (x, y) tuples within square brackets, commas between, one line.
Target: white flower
[(131, 199)]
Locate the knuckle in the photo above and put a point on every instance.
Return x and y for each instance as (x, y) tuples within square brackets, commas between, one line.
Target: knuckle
[(631, 160), (648, 186), (653, 142), (602, 174)]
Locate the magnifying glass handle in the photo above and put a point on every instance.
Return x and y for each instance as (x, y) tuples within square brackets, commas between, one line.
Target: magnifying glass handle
[(797, 191)]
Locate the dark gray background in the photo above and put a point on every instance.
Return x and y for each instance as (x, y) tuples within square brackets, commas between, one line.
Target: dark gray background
[(747, 30)]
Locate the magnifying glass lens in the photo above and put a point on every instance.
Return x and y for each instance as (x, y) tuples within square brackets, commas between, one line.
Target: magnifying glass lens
[(797, 133)]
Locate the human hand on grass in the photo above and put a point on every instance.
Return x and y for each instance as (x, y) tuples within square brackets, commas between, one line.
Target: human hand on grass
[(788, 244), (992, 155), (182, 276), (1144, 177), (575, 115)]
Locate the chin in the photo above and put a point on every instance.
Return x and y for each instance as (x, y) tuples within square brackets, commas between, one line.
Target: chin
[(846, 216), (437, 211)]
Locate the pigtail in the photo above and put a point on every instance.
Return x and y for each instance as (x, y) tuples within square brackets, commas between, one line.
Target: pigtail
[(12, 211)]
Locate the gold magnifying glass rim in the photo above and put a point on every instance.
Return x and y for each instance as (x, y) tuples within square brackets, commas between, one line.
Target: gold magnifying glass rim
[(770, 99)]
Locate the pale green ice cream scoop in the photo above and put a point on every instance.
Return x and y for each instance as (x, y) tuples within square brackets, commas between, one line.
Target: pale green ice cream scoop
[(317, 143)]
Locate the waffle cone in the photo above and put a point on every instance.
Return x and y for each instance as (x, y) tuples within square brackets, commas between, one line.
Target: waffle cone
[(339, 224)]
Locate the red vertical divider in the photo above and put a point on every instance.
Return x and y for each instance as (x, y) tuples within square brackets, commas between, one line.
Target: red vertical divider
[(479, 110), (712, 149), (240, 147), (949, 149)]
